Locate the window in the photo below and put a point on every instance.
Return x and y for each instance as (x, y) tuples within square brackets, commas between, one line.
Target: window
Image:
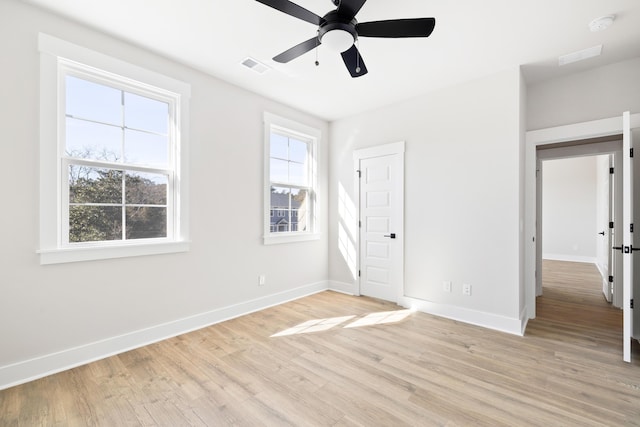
[(117, 162), (113, 146), (290, 181)]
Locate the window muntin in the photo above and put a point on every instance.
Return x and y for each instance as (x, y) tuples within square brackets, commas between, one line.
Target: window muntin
[(290, 175), (117, 147)]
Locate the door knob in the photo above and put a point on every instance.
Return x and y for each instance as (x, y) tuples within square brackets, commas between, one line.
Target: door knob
[(392, 235), (601, 233)]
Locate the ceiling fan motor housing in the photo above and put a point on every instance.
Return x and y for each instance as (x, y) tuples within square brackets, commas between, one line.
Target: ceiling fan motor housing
[(334, 21)]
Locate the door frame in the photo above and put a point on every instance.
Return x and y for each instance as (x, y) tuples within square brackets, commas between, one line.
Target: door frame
[(576, 149), (575, 132), (395, 148)]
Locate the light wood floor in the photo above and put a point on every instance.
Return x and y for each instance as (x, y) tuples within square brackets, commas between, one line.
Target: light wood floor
[(422, 370)]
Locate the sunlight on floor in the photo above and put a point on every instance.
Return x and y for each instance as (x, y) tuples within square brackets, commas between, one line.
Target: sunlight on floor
[(319, 325), (315, 325), (380, 318)]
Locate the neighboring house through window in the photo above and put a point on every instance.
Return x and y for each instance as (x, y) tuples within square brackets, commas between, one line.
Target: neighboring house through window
[(290, 180), (111, 145)]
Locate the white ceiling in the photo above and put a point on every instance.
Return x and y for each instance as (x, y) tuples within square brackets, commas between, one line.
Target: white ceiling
[(472, 38)]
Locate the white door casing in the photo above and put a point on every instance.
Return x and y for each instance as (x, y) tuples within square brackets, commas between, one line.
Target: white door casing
[(381, 205)]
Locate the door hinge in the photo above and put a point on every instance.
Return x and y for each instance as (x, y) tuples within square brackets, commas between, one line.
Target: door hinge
[(358, 273), (631, 227), (610, 224), (359, 224), (359, 173), (631, 152), (610, 279), (610, 170), (631, 303)]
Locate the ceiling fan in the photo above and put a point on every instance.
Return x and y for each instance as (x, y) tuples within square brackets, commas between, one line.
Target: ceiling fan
[(339, 30)]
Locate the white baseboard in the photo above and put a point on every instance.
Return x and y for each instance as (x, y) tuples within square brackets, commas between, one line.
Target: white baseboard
[(570, 258), (29, 370), (344, 287), (479, 318)]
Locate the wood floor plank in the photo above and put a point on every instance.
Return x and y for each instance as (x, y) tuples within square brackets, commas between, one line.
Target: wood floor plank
[(308, 363)]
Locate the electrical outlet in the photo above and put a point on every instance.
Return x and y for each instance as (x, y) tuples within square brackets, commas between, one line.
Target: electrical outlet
[(262, 280), (466, 289), (446, 286)]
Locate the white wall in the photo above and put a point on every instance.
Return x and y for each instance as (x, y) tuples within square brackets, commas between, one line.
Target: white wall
[(569, 209), (56, 308), (463, 202), (590, 95)]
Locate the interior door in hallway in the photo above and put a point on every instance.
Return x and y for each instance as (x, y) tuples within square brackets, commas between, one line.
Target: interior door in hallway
[(627, 235), (381, 225)]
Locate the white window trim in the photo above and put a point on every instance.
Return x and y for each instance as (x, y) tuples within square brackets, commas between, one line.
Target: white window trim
[(51, 250), (289, 126)]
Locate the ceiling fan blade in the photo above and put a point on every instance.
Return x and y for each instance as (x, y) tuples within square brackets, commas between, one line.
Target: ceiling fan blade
[(293, 9), (349, 8), (297, 50), (396, 28), (354, 62)]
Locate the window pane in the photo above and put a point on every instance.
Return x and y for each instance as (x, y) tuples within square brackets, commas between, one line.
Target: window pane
[(145, 148), (93, 185), (94, 223), (298, 174), (93, 101), (146, 222), (280, 200), (146, 188), (279, 170), (88, 140), (299, 210), (298, 151), (145, 113), (279, 146)]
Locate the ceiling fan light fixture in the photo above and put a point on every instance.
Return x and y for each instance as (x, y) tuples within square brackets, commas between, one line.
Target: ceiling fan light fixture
[(338, 40)]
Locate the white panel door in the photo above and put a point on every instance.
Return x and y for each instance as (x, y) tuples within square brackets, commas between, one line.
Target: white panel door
[(610, 231), (381, 227), (605, 216), (627, 235)]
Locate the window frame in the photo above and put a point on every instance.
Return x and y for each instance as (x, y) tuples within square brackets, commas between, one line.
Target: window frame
[(58, 59), (294, 129)]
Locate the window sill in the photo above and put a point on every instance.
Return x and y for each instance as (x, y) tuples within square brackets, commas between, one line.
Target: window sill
[(275, 239), (64, 255)]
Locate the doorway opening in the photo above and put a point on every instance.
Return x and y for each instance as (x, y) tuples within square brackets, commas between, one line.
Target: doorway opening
[(578, 196), (579, 208), (568, 136)]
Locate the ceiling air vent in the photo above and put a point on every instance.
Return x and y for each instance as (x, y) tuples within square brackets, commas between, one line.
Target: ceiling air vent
[(255, 65), (580, 55)]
